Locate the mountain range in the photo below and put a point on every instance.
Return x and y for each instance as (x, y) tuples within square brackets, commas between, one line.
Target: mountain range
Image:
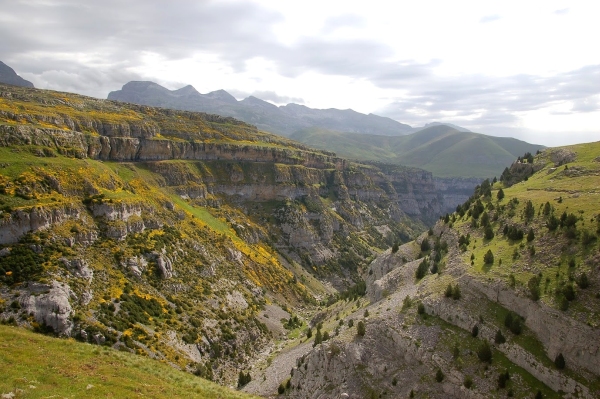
[(9, 76), (283, 120)]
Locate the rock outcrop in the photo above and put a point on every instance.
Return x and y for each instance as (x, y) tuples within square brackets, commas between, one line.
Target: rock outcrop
[(50, 306)]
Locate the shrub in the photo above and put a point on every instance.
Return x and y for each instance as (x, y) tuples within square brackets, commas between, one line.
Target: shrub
[(456, 292), (395, 381), (503, 378), (513, 322), (488, 259), (395, 248), (488, 232), (309, 332), (421, 308), (475, 330), (583, 281), (281, 389), (406, 303), (468, 382), (351, 323), (499, 338), (484, 352), (559, 361), (243, 379), (530, 235), (448, 292), (425, 245), (361, 329), (500, 195), (534, 287), (439, 375), (422, 269)]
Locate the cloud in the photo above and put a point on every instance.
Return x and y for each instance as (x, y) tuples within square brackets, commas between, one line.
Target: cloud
[(479, 100), (489, 18), (562, 11)]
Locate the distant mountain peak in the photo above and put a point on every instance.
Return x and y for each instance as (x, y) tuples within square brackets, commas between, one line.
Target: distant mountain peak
[(453, 126), (221, 95), (9, 76)]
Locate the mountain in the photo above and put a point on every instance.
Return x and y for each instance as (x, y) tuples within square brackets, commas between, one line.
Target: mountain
[(456, 127), (9, 76), (186, 237), (440, 149), (283, 120), (499, 299)]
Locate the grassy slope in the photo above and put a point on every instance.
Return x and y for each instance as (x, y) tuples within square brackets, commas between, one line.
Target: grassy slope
[(573, 190), (42, 366), (441, 150)]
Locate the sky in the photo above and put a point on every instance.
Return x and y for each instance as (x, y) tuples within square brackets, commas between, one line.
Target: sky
[(525, 69)]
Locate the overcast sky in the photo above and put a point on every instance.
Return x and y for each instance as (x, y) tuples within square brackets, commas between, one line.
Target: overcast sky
[(527, 69)]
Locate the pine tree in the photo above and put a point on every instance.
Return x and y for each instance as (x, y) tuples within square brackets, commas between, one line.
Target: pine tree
[(559, 361), (361, 329), (500, 195)]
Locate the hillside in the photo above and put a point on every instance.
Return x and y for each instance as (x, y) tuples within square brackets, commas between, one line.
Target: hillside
[(36, 366), (283, 120), (440, 149), (189, 238), (501, 298)]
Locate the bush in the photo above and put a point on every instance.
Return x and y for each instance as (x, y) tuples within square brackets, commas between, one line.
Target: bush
[(395, 381), (484, 352), (439, 375), (456, 292), (448, 292), (421, 308), (475, 330), (468, 382), (499, 338), (243, 379), (488, 259), (500, 195), (488, 232), (361, 329), (583, 281), (513, 322), (425, 245), (503, 378), (530, 235), (281, 389), (534, 287), (395, 248), (422, 269), (559, 361)]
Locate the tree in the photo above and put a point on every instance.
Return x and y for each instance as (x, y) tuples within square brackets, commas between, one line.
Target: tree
[(361, 329), (488, 232), (534, 287), (395, 248), (559, 361), (309, 333), (425, 245), (475, 330), (500, 195), (484, 352), (529, 211), (530, 235), (488, 258), (318, 338)]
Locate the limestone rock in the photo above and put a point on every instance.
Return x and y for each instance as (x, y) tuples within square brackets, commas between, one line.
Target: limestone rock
[(50, 306)]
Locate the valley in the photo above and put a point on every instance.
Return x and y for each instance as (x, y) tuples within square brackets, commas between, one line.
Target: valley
[(235, 255)]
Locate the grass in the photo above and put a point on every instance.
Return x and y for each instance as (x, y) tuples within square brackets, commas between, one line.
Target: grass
[(40, 366)]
